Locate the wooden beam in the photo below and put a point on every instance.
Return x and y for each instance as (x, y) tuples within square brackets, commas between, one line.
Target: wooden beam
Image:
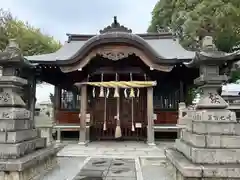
[(112, 70)]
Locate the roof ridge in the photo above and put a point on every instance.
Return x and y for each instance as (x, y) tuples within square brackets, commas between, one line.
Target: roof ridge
[(85, 37)]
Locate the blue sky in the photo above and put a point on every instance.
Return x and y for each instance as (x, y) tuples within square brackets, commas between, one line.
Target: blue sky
[(58, 17)]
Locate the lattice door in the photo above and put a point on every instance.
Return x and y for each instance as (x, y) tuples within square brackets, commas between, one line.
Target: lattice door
[(139, 116), (97, 113)]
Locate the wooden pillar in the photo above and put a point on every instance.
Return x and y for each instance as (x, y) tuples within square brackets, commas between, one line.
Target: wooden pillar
[(181, 91), (150, 127), (57, 99), (56, 106), (83, 110)]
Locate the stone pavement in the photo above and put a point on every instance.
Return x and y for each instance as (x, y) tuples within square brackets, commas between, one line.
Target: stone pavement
[(67, 168), (111, 161), (108, 169), (155, 169), (115, 150)]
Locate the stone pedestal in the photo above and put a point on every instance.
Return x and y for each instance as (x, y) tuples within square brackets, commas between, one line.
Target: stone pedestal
[(44, 124), (234, 104), (23, 153), (209, 147)]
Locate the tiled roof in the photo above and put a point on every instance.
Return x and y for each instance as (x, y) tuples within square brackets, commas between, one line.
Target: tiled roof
[(166, 48)]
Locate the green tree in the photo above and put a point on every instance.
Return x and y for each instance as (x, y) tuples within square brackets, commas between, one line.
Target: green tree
[(30, 39), (191, 20)]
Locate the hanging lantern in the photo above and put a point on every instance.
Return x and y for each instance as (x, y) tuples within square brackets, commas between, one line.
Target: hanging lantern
[(93, 92)]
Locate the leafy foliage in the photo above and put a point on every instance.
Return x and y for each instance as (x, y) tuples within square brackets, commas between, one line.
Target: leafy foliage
[(191, 20), (30, 39)]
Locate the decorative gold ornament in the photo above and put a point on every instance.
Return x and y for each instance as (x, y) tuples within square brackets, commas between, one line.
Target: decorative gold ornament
[(132, 95)]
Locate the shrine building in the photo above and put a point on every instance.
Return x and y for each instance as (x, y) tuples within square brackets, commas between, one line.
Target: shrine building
[(117, 84)]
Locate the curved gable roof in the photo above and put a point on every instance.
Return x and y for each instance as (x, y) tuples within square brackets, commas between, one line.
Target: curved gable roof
[(160, 50)]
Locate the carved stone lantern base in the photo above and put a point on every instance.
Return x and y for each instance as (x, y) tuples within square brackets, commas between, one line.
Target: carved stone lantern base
[(208, 148), (31, 166)]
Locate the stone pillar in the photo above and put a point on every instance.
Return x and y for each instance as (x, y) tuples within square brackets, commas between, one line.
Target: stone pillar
[(32, 100), (23, 154), (209, 147), (150, 127), (58, 140), (181, 114), (83, 111)]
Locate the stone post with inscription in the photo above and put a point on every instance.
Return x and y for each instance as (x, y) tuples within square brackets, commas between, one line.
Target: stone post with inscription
[(23, 154), (209, 147)]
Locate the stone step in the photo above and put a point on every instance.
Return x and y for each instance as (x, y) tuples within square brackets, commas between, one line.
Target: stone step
[(30, 160), (211, 141), (14, 151), (18, 136), (179, 165), (13, 124), (208, 155)]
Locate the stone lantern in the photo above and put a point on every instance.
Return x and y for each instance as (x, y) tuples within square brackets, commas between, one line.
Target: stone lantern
[(23, 153), (209, 145)]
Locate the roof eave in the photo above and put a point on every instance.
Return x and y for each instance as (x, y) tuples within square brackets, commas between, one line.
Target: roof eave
[(162, 61)]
